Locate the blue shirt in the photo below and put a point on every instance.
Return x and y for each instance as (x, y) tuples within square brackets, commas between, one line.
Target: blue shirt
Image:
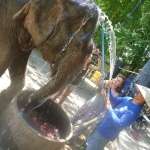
[(115, 120)]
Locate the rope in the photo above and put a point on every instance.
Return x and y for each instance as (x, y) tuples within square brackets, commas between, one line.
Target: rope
[(133, 71), (128, 70), (140, 1)]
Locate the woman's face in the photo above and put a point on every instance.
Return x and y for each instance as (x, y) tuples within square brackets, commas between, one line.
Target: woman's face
[(139, 97), (117, 82)]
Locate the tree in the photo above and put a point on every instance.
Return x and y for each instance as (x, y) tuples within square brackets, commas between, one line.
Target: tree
[(131, 25)]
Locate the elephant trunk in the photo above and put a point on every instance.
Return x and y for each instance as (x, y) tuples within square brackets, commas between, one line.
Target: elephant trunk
[(57, 82), (67, 71)]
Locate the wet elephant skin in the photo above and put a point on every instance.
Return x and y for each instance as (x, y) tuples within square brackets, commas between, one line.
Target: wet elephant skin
[(60, 29)]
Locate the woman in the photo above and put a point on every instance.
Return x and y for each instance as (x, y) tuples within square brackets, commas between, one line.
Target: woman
[(96, 105), (87, 65)]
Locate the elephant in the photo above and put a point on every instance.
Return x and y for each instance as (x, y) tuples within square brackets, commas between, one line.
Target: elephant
[(61, 30)]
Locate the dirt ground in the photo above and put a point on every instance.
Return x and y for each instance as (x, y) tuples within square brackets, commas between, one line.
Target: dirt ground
[(38, 75)]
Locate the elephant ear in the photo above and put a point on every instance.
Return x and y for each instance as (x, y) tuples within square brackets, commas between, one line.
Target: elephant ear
[(23, 12), (40, 18)]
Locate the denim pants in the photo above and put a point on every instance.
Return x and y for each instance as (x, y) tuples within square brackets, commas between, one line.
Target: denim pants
[(96, 141)]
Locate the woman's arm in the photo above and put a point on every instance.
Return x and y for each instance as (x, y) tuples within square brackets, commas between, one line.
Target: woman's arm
[(121, 123), (98, 81), (98, 67), (106, 102), (114, 100)]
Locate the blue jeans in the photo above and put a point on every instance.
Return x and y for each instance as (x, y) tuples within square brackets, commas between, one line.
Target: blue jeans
[(96, 141)]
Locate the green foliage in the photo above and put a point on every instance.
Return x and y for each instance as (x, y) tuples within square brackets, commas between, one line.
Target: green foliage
[(131, 25)]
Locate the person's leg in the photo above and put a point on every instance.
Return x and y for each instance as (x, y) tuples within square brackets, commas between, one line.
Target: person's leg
[(90, 114), (89, 139), (58, 93), (81, 112), (97, 142), (68, 90), (64, 95), (79, 130)]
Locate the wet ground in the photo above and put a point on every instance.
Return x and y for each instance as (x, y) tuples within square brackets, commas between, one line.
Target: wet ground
[(38, 75)]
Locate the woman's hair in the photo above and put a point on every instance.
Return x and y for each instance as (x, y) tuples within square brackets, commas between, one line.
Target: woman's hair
[(119, 89)]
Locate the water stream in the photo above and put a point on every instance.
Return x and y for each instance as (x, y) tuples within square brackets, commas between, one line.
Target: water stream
[(110, 36)]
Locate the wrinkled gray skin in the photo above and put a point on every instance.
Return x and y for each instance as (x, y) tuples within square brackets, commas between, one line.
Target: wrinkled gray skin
[(60, 29)]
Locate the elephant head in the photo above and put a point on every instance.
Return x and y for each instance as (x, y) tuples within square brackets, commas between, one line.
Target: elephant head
[(62, 31)]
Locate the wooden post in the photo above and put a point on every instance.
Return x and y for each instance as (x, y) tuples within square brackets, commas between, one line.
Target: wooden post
[(143, 78)]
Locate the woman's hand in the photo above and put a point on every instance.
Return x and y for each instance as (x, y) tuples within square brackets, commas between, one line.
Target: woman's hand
[(96, 51), (107, 102), (103, 92), (108, 83), (99, 59), (108, 105)]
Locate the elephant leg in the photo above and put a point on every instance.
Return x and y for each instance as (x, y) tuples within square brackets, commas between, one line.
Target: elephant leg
[(17, 72), (4, 61)]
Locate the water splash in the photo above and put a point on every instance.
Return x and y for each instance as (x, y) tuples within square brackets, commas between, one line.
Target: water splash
[(40, 104), (111, 46), (110, 36), (29, 100), (82, 24)]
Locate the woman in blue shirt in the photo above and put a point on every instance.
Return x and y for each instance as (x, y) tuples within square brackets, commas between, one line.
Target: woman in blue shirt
[(125, 112)]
